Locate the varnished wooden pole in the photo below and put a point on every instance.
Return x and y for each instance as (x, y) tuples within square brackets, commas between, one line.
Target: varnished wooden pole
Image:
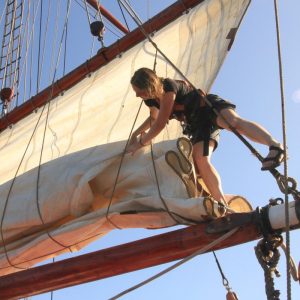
[(116, 260)]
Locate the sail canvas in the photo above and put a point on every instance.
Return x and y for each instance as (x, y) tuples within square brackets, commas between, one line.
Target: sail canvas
[(60, 164)]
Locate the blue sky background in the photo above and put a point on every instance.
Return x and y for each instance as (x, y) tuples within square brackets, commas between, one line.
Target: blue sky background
[(249, 78)]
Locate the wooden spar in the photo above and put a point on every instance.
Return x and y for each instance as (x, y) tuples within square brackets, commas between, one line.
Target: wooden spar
[(107, 15), (117, 260), (147, 252), (105, 56)]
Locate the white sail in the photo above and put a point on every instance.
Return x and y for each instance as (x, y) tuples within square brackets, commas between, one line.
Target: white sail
[(56, 198)]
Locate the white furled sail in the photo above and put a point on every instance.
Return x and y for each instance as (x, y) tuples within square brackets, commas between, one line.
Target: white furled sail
[(60, 187)]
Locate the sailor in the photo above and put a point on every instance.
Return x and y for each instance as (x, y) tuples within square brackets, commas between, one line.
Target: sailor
[(167, 99)]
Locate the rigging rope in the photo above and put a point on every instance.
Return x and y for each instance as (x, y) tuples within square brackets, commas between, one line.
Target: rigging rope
[(26, 50), (28, 41), (119, 169), (87, 12), (45, 129), (286, 201), (44, 44), (171, 214), (4, 8), (39, 167), (16, 76), (39, 53), (123, 15), (279, 178), (181, 262), (224, 279), (268, 256)]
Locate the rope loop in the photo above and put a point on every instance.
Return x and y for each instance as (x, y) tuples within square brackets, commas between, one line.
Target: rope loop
[(268, 256)]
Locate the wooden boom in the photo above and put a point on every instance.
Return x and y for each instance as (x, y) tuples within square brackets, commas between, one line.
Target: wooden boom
[(148, 252), (116, 260)]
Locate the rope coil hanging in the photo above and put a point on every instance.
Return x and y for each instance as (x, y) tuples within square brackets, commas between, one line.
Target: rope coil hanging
[(268, 256)]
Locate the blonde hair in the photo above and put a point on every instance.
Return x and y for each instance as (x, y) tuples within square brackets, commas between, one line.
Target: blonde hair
[(146, 79)]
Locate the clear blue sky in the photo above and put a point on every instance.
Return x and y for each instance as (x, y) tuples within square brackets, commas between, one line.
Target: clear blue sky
[(249, 78)]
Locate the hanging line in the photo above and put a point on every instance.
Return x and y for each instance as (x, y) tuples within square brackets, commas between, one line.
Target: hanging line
[(181, 262), (98, 12), (10, 45), (28, 42), (4, 8), (39, 50), (118, 172), (171, 214), (26, 33), (8, 195), (122, 12), (45, 129), (87, 12), (18, 168), (16, 75), (101, 18), (54, 252), (100, 36), (224, 279), (279, 178), (286, 201), (65, 48), (44, 44)]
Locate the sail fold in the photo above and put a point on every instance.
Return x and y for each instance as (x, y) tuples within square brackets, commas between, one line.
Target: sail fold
[(59, 165)]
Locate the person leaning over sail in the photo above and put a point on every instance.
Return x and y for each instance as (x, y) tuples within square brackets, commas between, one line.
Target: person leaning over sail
[(167, 98)]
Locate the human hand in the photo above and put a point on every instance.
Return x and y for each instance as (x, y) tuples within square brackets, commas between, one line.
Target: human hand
[(135, 144)]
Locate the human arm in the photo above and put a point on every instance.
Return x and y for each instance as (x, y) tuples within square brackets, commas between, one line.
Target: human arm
[(166, 107), (145, 125)]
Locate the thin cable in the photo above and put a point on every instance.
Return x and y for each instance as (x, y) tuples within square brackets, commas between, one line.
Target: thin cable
[(65, 49), (53, 68), (28, 42), (224, 279), (274, 172), (159, 192), (4, 8), (119, 169), (139, 23), (52, 292), (107, 25), (181, 262), (26, 50), (98, 13), (13, 181), (45, 129), (53, 253), (10, 43), (39, 53), (18, 52), (122, 12), (31, 56), (44, 44), (87, 12), (9, 192), (286, 202)]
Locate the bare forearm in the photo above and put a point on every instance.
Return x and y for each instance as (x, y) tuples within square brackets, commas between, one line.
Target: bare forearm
[(144, 126), (155, 129)]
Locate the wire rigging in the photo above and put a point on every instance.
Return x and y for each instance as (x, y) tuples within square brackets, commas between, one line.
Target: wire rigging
[(176, 265), (286, 202), (40, 160)]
